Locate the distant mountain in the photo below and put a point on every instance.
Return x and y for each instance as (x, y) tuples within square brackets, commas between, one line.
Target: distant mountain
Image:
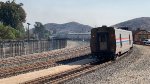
[(71, 27), (142, 23)]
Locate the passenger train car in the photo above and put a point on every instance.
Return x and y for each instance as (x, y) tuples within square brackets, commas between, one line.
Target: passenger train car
[(109, 42)]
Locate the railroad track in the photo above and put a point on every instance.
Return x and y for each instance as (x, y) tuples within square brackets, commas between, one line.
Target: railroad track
[(62, 77), (15, 70)]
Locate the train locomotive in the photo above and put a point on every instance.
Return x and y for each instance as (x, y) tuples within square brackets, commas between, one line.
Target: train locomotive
[(109, 42)]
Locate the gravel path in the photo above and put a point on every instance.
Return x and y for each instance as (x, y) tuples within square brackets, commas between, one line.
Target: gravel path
[(131, 69)]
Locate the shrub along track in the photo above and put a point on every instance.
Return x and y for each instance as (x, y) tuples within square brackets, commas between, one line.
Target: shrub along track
[(40, 62), (70, 74)]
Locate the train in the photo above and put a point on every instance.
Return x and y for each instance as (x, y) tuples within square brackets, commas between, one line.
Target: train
[(110, 42)]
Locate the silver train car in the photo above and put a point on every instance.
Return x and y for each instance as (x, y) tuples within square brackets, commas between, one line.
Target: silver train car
[(109, 42)]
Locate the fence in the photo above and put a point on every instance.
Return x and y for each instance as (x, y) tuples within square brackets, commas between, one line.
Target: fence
[(18, 48)]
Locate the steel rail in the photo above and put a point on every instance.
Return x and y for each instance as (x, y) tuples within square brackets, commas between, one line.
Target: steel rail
[(62, 77)]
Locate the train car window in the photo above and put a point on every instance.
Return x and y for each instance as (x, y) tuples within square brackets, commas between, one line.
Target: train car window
[(129, 40), (120, 41)]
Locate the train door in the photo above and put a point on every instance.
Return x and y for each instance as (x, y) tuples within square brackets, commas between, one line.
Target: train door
[(103, 41)]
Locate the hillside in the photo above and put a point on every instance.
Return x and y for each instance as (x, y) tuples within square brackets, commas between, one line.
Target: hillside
[(142, 23), (71, 27)]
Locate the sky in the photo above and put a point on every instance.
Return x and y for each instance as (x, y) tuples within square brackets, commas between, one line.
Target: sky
[(89, 12)]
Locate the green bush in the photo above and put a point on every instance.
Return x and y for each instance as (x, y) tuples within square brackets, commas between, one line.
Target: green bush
[(7, 32)]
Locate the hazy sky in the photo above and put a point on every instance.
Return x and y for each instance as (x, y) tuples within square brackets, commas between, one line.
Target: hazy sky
[(90, 12)]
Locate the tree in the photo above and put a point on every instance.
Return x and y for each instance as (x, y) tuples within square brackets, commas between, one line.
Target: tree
[(40, 31), (7, 32), (12, 14)]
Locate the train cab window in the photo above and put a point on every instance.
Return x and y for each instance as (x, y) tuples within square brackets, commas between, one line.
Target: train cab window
[(120, 41), (129, 40)]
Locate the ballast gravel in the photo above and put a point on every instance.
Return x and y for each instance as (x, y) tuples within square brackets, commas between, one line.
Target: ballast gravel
[(133, 68)]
